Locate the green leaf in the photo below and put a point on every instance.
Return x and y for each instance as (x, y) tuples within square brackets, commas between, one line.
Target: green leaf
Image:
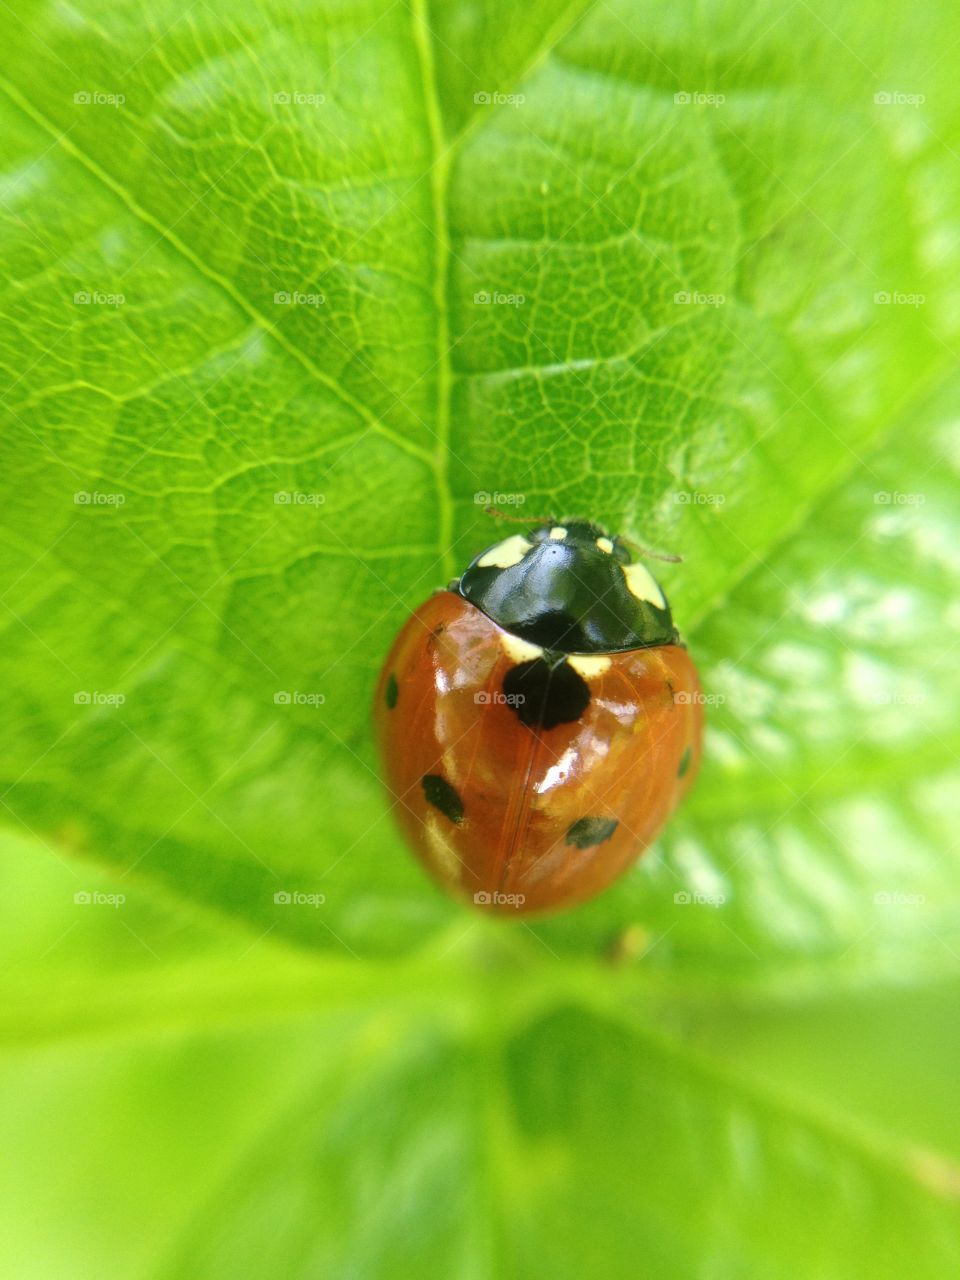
[(206, 194), (288, 291), (264, 1113)]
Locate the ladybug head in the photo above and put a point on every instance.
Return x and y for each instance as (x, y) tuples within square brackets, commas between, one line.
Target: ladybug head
[(571, 588)]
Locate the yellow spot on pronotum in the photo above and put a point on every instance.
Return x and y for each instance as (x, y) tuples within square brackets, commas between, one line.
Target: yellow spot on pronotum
[(558, 533), (643, 585), (589, 664), (505, 554), (520, 650), (605, 545)]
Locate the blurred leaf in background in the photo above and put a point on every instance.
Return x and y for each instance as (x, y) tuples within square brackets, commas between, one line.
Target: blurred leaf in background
[(290, 292)]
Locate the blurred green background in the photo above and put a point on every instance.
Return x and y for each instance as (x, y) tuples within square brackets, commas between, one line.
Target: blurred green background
[(291, 289)]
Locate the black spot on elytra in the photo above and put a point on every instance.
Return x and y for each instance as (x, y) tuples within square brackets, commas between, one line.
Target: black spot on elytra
[(684, 762), (544, 696), (392, 691), (443, 796), (590, 831)]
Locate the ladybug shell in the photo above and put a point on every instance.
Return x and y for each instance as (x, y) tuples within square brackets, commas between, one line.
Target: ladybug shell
[(530, 817)]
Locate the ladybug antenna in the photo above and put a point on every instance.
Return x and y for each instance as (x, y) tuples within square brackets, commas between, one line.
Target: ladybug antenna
[(647, 554), (512, 519)]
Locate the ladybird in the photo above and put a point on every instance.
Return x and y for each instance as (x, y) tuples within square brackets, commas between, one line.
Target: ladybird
[(539, 720)]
